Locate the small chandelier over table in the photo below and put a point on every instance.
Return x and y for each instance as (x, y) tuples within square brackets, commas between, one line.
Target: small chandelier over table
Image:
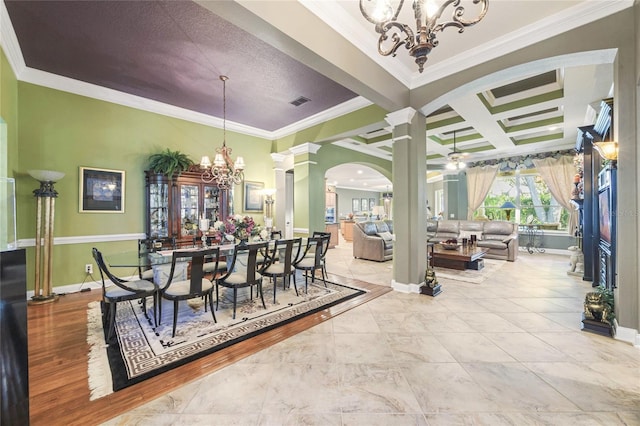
[(384, 15), (223, 170)]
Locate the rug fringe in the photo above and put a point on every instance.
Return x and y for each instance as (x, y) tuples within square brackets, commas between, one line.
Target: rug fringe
[(100, 380)]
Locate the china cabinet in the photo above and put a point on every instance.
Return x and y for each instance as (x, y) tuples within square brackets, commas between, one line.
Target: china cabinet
[(174, 206)]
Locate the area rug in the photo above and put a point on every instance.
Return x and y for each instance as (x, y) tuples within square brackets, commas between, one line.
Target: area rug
[(491, 266), (143, 350)]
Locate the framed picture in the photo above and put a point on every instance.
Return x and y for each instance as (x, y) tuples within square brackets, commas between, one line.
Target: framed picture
[(355, 205), (253, 197), (364, 205), (101, 190)]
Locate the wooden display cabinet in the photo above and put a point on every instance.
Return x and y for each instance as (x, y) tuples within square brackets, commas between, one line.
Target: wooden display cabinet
[(174, 206)]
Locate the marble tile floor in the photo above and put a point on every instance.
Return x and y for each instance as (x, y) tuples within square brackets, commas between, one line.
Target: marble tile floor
[(508, 351)]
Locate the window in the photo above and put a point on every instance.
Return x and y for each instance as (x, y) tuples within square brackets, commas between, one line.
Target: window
[(534, 203)]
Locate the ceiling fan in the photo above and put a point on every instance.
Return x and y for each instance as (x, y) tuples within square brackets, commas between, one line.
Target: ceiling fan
[(455, 157)]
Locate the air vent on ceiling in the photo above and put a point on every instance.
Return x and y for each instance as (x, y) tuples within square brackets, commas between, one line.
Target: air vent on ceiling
[(299, 101)]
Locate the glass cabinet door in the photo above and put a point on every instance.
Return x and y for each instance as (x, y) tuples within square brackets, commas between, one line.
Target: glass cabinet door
[(212, 203), (159, 210), (189, 211)]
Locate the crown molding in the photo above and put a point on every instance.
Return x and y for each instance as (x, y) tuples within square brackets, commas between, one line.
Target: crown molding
[(305, 148), (403, 116), (9, 43)]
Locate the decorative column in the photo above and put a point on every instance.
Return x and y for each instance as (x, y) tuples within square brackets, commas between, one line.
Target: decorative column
[(409, 199), (308, 190), (279, 170), (46, 196)]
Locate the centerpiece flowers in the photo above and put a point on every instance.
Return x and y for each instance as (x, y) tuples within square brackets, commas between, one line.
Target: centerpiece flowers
[(239, 227)]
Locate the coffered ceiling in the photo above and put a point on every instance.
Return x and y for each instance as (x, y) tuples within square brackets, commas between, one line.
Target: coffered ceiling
[(166, 57)]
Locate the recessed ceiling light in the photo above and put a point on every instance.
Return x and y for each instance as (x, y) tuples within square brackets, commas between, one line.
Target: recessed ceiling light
[(351, 180), (553, 128), (359, 172), (364, 183)]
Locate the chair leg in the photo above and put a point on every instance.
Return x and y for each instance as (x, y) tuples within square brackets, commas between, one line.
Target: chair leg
[(175, 317), (235, 298), (264, 305), (294, 282), (275, 285), (210, 297), (159, 308), (112, 321), (217, 296)]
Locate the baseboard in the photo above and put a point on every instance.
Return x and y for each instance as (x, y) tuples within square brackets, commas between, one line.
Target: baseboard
[(76, 288), (628, 335), (405, 288)]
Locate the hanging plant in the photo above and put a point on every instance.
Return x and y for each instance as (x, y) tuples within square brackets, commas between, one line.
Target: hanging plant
[(169, 162)]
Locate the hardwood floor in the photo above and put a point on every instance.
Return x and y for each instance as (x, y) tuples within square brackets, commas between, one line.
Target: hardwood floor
[(58, 350)]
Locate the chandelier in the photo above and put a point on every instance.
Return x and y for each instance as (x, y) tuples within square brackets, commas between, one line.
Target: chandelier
[(455, 157), (223, 170), (427, 13)]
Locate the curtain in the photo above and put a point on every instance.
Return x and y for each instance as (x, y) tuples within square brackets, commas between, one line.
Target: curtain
[(479, 181), (558, 175)]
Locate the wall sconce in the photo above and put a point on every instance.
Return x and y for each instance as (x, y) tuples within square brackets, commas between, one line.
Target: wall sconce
[(607, 150), (268, 210)]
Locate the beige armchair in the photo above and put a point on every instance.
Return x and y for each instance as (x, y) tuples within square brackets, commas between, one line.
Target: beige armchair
[(373, 240)]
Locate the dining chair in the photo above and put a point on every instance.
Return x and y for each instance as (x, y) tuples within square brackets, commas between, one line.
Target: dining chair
[(196, 285), (307, 263), (320, 234), (287, 252), (244, 271), (121, 291), (151, 245)]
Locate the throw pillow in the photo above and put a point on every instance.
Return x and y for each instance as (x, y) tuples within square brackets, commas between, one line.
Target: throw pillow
[(468, 234)]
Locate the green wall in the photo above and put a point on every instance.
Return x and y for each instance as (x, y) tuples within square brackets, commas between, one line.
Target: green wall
[(8, 118), (62, 131)]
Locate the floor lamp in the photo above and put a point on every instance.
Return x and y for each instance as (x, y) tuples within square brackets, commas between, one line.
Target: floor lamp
[(46, 196)]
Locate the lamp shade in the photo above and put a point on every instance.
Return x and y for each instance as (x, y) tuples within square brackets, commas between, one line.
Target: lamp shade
[(508, 205), (607, 150), (46, 175)]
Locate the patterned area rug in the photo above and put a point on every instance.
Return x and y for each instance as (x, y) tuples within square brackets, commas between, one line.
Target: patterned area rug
[(143, 351), (490, 267)]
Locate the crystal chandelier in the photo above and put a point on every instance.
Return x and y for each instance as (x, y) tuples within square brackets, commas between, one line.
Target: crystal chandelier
[(223, 170), (427, 13)]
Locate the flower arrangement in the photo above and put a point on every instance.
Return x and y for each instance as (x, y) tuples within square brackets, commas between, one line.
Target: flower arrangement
[(239, 227)]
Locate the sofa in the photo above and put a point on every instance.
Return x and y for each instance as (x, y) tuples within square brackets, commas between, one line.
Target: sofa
[(373, 240), (500, 237)]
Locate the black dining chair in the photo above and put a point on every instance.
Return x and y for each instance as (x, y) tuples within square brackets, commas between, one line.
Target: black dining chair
[(243, 273), (196, 285), (311, 263), (320, 234), (121, 291), (287, 252)]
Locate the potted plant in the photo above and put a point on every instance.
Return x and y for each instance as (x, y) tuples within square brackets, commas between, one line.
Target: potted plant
[(169, 162)]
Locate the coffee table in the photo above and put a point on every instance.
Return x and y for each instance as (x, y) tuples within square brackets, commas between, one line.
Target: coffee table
[(464, 257)]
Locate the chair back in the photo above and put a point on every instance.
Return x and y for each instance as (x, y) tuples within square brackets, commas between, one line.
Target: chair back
[(276, 235), (316, 248), (250, 252), (197, 259), (97, 256), (289, 250)]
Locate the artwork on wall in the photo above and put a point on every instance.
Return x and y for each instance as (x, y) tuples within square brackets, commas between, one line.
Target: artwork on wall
[(101, 190), (372, 203), (355, 205), (253, 197)]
